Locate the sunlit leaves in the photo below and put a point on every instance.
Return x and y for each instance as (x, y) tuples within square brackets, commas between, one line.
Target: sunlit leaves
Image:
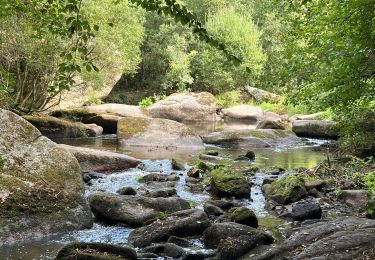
[(181, 15)]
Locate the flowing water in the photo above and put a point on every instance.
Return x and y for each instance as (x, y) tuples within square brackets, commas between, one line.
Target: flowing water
[(307, 154)]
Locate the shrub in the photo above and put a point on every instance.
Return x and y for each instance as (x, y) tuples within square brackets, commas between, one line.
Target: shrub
[(146, 102)]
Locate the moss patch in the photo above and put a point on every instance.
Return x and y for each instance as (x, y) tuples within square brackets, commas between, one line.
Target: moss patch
[(286, 190), (226, 182), (131, 127)]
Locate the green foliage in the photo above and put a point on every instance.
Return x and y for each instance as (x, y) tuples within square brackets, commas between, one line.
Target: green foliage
[(146, 102), (356, 127), (228, 99), (369, 179), (331, 67), (181, 14), (241, 35), (358, 173)]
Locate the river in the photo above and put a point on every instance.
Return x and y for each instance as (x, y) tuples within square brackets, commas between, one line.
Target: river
[(307, 154)]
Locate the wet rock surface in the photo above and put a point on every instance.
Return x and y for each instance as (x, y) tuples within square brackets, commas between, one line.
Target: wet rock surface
[(133, 210), (184, 223), (96, 251)]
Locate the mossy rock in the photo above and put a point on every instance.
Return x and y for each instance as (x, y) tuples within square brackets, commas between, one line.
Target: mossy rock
[(41, 184), (226, 182), (245, 216), (96, 251), (286, 190)]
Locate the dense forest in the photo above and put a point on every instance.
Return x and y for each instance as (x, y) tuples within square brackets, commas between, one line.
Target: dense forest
[(318, 54)]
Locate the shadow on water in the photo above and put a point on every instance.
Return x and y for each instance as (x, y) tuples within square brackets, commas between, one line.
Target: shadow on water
[(304, 155)]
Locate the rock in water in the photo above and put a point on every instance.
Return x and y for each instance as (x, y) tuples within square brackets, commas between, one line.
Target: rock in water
[(186, 107), (252, 138), (165, 250), (244, 216), (104, 115), (41, 187), (127, 191), (96, 251), (156, 132), (102, 161), (226, 182), (286, 190), (182, 224), (133, 210), (243, 113), (315, 129)]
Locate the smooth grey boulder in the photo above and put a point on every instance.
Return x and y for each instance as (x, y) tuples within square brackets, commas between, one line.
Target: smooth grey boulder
[(315, 129), (186, 107), (133, 210), (252, 138), (100, 161)]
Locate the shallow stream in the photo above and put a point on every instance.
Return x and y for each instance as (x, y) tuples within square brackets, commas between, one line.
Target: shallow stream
[(307, 154)]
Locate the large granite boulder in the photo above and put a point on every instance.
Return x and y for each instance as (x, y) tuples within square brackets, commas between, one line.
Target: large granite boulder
[(344, 238), (99, 161), (182, 224), (133, 210), (156, 132), (186, 107), (253, 138), (243, 113), (53, 127), (315, 128), (41, 188), (105, 115)]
